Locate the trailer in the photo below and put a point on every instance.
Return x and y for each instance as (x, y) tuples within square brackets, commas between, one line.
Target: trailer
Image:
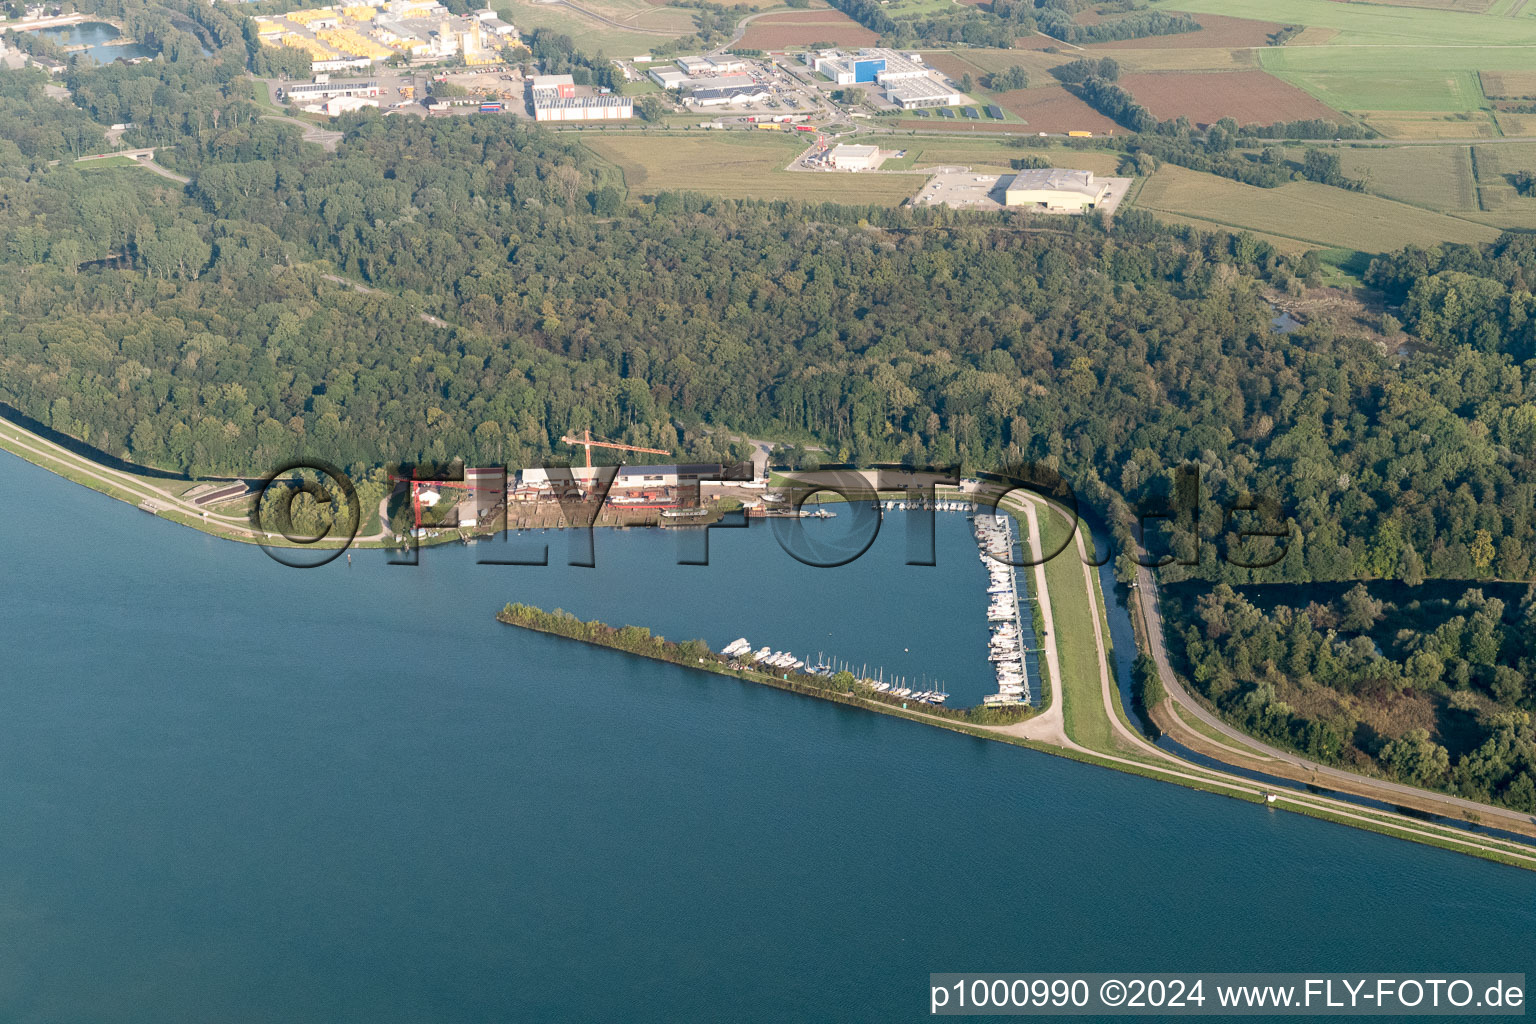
[(490, 108)]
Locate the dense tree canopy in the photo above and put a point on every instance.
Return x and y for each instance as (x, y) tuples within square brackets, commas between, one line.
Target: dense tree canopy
[(194, 329), (1300, 677)]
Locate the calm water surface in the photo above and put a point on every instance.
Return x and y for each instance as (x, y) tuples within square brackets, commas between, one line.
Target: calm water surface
[(99, 40), (235, 791)]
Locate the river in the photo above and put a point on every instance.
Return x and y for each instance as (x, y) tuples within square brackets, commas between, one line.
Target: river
[(233, 790)]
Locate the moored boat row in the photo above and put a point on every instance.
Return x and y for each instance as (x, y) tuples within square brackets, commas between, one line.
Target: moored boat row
[(1005, 648), (740, 651)]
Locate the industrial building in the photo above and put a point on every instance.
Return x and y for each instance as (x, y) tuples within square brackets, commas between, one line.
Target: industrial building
[(554, 98), (845, 157), (563, 86), (628, 478), (739, 95), (494, 25), (1057, 189), (717, 65), (669, 79), (485, 494), (323, 88), (911, 93), (340, 105), (878, 65), (716, 85), (358, 35)]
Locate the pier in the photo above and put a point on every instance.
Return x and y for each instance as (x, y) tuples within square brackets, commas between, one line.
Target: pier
[(1013, 636)]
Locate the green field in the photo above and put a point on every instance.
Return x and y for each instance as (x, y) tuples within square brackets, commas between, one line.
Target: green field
[(106, 163), (1436, 91), (1409, 71), (1305, 211), (1361, 23), (992, 154), (647, 25), (737, 165)]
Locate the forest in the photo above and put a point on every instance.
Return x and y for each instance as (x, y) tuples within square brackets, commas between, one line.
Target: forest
[(1001, 23), (1332, 678), (194, 330)]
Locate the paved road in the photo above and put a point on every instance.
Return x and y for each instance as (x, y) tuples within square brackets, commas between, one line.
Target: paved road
[(23, 441), (324, 137), (1051, 723), (1146, 593), (148, 163), (145, 159)]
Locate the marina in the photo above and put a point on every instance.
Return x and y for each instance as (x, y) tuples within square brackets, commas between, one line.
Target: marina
[(922, 691), (1013, 635)]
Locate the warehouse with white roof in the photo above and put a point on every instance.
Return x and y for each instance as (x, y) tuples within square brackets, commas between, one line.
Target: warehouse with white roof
[(1055, 188)]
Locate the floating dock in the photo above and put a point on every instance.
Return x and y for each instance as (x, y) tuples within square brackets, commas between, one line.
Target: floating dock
[(1013, 636)]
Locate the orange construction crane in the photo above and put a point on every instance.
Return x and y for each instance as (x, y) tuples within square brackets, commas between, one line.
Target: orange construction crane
[(585, 440)]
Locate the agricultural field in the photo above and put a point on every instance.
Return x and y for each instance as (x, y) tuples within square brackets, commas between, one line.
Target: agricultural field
[(1468, 182), (1153, 59), (1515, 124), (1421, 88), (1494, 164), (979, 63), (1434, 177), (802, 28), (1304, 211), (1470, 6), (644, 25), (1250, 97), (996, 155), (1374, 23), (1509, 85), (737, 165), (1215, 31), (1397, 125), (1051, 108)]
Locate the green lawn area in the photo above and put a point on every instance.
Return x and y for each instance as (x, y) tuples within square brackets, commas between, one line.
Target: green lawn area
[(105, 164), (1075, 622), (917, 8), (738, 165)]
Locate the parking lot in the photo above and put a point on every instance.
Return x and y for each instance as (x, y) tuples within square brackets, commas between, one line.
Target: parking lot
[(965, 189)]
